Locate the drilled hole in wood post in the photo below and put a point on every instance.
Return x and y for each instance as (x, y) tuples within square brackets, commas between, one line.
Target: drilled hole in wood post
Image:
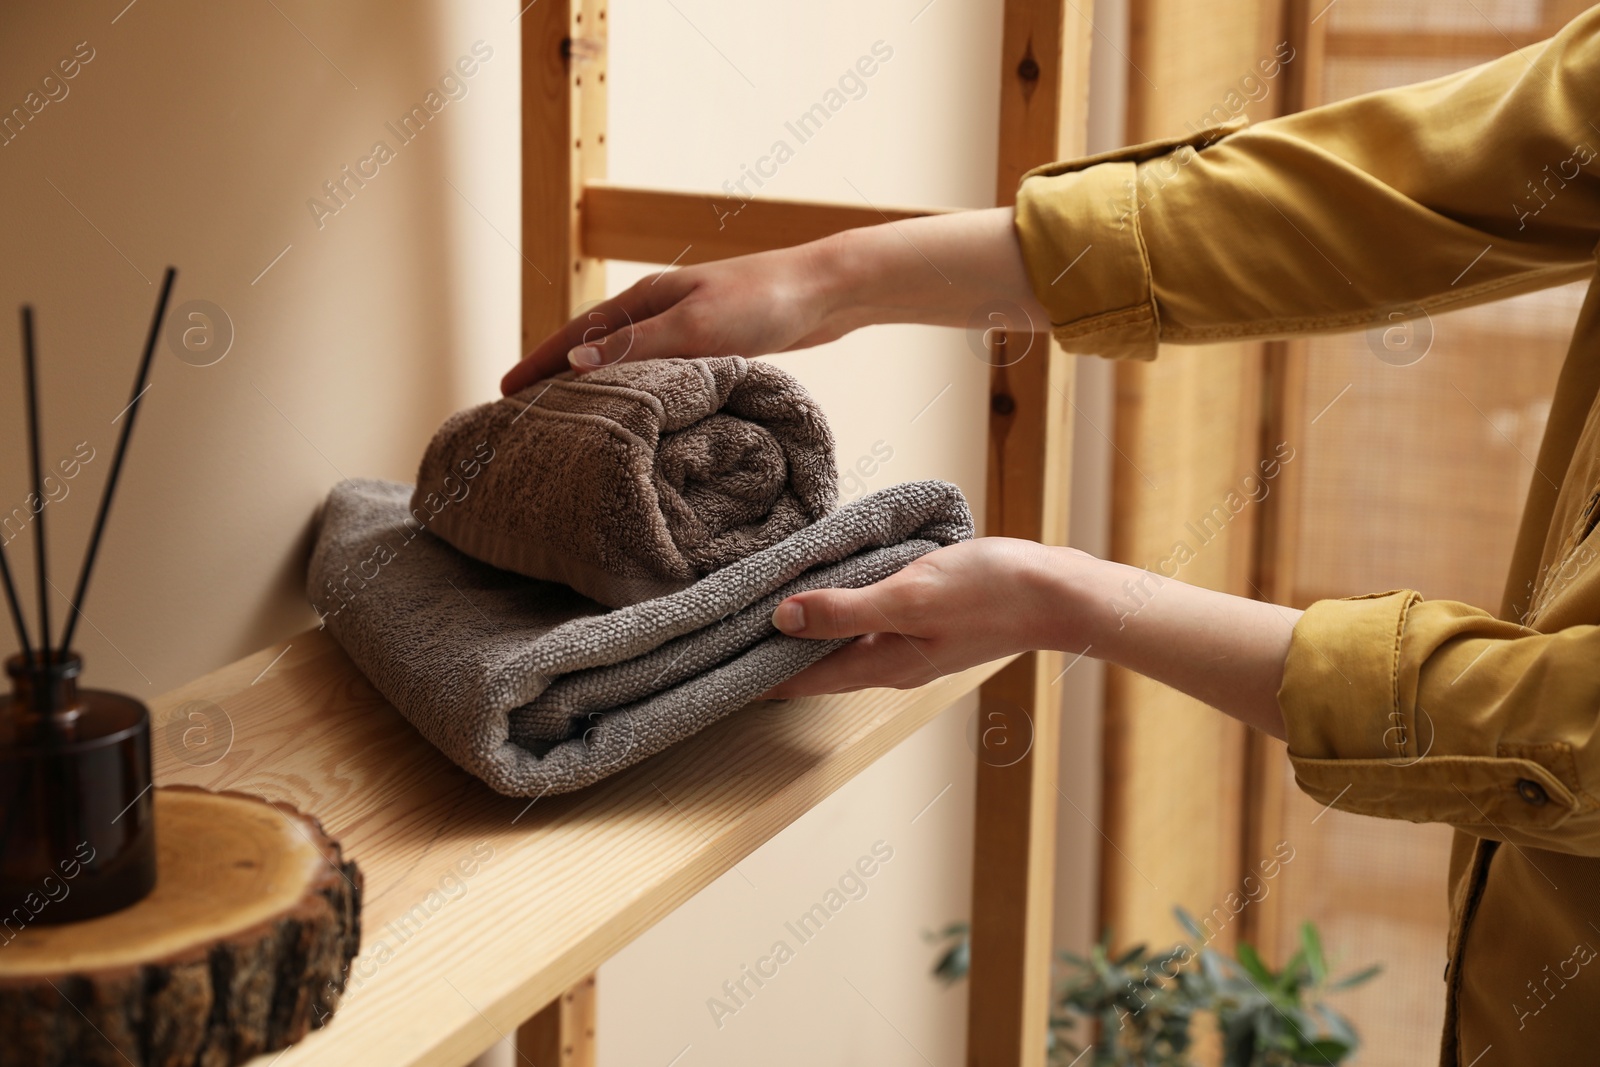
[(1002, 404)]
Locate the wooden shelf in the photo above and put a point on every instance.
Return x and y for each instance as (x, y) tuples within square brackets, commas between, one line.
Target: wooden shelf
[(654, 226), (489, 906)]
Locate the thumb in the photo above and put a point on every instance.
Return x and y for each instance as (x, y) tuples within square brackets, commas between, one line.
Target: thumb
[(832, 613)]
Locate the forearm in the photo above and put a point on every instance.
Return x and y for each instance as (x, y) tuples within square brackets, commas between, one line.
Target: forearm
[(1225, 650), (941, 270)]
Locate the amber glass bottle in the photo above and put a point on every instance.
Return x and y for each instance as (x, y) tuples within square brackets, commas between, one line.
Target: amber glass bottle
[(77, 828)]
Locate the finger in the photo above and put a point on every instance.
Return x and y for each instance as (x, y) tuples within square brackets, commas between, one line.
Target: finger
[(883, 659), (829, 613), (635, 305), (550, 355), (661, 337)]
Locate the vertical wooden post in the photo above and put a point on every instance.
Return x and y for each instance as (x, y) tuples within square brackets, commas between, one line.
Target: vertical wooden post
[(563, 147), (1043, 109), (1282, 419), (561, 1035)]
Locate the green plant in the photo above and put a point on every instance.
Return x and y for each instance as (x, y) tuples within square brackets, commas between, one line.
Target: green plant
[(1136, 1009)]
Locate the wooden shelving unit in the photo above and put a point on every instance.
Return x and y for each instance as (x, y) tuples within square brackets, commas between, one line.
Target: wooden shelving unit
[(486, 916)]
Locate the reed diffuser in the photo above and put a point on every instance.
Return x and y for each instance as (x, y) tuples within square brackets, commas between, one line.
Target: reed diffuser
[(77, 831)]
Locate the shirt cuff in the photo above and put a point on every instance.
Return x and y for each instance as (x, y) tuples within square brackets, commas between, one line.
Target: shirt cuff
[(1356, 744), (1340, 694), (1078, 224)]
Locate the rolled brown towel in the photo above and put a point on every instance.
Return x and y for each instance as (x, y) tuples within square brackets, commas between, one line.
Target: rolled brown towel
[(633, 481)]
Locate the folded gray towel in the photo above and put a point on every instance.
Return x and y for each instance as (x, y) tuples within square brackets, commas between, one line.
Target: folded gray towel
[(538, 690), (632, 481)]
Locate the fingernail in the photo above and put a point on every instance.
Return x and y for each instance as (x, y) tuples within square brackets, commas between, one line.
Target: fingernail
[(587, 357), (790, 618)]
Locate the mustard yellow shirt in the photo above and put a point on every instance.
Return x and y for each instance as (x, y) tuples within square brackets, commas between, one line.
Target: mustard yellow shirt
[(1396, 706)]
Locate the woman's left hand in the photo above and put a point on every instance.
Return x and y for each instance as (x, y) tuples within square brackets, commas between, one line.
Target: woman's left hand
[(979, 600), (957, 606)]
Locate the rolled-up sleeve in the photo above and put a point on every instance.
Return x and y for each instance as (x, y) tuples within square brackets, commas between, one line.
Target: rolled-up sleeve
[(1467, 188), (1434, 711)]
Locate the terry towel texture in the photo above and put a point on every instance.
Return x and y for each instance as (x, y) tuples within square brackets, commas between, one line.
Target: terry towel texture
[(538, 690), (634, 480)]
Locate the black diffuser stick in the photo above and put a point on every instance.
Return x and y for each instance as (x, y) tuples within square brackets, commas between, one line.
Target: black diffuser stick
[(16, 608), (140, 383), (5, 567), (44, 694), (30, 373)]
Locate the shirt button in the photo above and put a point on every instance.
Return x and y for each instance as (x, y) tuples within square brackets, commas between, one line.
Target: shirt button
[(1532, 792)]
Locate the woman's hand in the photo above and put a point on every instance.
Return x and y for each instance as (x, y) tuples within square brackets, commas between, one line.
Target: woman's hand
[(957, 606), (980, 600), (751, 305), (944, 270)]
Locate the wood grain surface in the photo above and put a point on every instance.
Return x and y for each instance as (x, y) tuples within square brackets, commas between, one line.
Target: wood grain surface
[(241, 949), (564, 59), (480, 908), (656, 226)]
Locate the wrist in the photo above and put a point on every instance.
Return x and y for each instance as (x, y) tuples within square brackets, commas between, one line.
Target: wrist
[(937, 269), (1064, 581), (1090, 601), (840, 287)]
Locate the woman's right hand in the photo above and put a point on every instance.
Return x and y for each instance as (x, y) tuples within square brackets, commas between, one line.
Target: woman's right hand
[(750, 306), (948, 269)]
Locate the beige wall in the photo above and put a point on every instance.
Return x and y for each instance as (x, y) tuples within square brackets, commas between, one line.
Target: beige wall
[(197, 134), (923, 132)]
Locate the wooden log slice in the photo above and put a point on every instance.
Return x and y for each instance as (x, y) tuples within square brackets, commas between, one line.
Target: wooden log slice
[(242, 948)]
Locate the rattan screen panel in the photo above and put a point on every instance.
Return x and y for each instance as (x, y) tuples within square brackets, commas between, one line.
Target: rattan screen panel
[(1412, 470)]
